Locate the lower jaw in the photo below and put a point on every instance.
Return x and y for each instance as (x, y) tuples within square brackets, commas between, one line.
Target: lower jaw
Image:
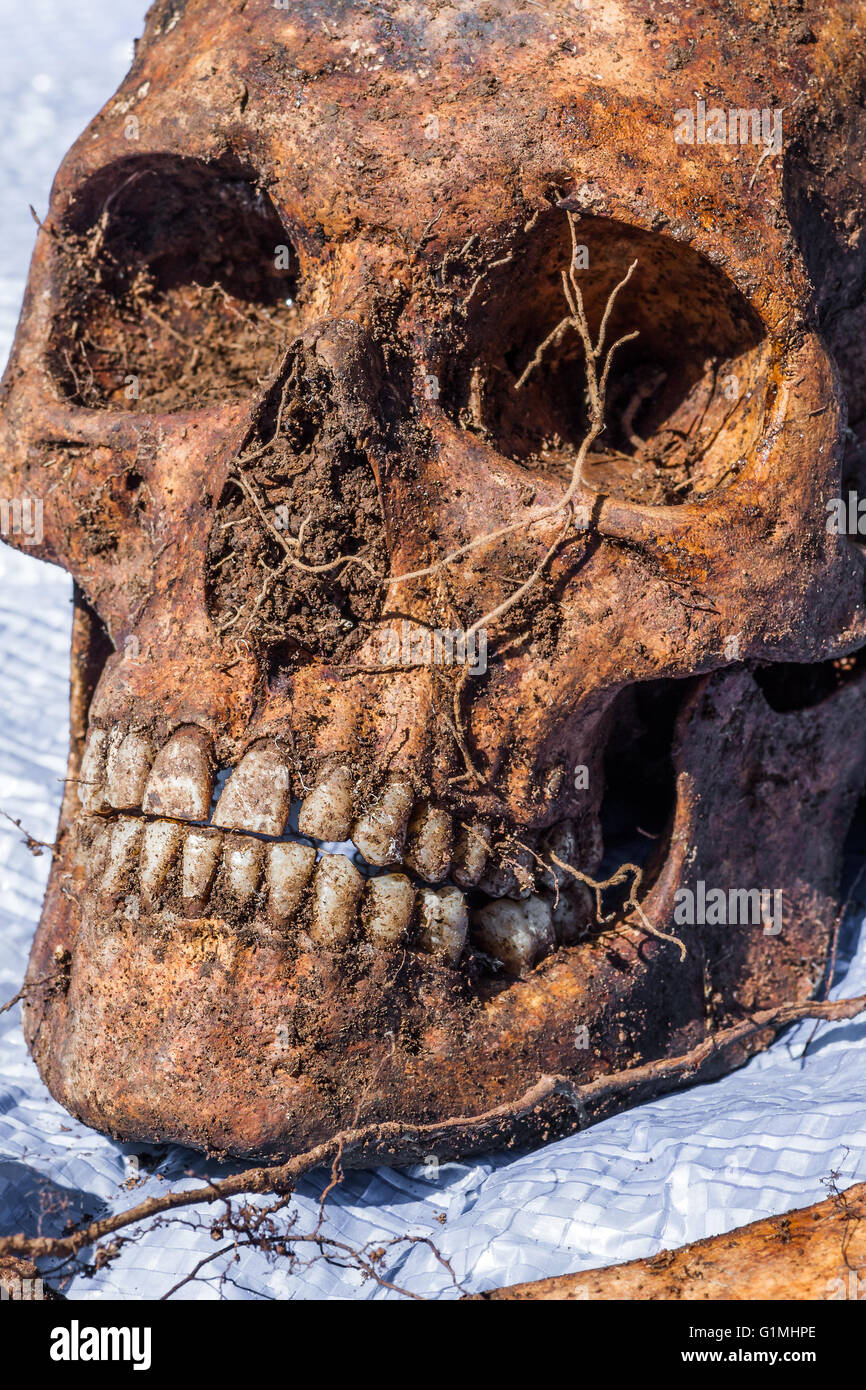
[(169, 1028)]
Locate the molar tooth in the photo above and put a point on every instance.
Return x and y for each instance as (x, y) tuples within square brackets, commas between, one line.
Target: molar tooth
[(518, 934), (430, 842), (470, 853), (337, 887), (444, 922), (181, 780), (122, 850), (201, 853), (572, 902), (158, 850), (242, 859), (288, 869), (380, 833), (387, 909), (128, 766), (256, 796), (91, 784), (326, 813)]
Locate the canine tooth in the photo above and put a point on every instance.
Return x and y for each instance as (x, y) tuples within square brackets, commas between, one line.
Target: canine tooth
[(336, 889), (91, 784), (444, 922), (181, 780), (387, 909), (242, 859), (160, 845), (326, 813), (288, 870), (128, 766), (201, 853), (256, 796), (125, 836), (470, 854), (518, 934), (379, 834), (430, 842)]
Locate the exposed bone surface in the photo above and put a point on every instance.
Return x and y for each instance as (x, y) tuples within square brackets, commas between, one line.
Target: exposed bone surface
[(381, 832), (387, 909), (326, 813), (337, 887), (181, 781), (518, 934), (257, 795), (288, 870)]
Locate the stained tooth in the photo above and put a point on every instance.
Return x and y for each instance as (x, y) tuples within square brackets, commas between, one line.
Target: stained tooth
[(443, 925), (256, 796), (429, 844), (242, 859), (129, 762), (201, 853), (517, 934), (470, 854), (181, 780), (122, 852), (288, 870), (387, 909), (573, 905), (91, 785), (327, 812), (336, 889), (159, 847), (380, 833), (522, 866)]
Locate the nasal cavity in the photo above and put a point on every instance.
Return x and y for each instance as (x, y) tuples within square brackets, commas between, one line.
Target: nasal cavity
[(178, 288)]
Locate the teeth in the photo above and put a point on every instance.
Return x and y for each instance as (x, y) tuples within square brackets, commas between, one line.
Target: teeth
[(181, 782), (129, 763), (470, 854), (430, 841), (511, 876), (201, 853), (573, 907), (380, 833), (443, 925), (160, 845), (256, 796), (326, 813), (387, 909), (242, 859), (91, 785), (336, 889), (288, 870), (518, 934), (122, 852)]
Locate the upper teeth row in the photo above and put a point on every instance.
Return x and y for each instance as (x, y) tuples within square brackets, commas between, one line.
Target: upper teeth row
[(121, 771)]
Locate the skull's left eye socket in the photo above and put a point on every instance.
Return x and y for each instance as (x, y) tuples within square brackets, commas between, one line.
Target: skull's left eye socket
[(178, 287)]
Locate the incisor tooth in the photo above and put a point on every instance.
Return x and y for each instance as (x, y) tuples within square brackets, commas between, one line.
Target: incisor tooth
[(125, 836), (91, 782), (181, 780), (256, 796), (201, 853), (336, 889), (429, 845), (470, 854), (444, 922), (160, 845), (387, 909), (380, 833), (242, 859), (127, 769), (518, 934), (288, 870), (326, 813)]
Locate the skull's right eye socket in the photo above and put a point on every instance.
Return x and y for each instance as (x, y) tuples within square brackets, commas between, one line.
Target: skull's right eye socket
[(178, 288)]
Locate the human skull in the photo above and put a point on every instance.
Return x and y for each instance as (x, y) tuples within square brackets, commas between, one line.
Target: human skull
[(289, 332)]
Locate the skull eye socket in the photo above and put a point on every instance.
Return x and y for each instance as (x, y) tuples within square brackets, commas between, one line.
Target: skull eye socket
[(178, 288), (685, 399)]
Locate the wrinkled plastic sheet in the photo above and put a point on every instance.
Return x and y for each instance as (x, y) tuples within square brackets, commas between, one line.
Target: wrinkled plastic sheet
[(773, 1136)]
